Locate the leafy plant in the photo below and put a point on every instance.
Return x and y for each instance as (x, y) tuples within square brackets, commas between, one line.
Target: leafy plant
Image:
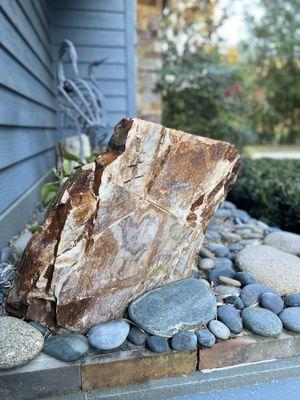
[(70, 163), (205, 91), (270, 190)]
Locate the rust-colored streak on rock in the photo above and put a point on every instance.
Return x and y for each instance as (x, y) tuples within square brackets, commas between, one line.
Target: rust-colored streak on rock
[(127, 223)]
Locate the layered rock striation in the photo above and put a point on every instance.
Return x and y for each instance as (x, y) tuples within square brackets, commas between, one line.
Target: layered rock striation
[(127, 223)]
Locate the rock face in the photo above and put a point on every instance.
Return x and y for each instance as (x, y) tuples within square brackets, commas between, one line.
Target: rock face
[(127, 223), (178, 306), (272, 267)]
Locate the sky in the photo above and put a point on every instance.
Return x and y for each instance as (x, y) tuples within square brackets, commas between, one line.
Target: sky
[(234, 28)]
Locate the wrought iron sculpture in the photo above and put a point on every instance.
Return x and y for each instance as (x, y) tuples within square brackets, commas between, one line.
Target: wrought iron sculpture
[(81, 99)]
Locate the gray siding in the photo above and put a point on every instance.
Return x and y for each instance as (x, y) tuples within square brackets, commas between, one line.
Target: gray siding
[(28, 116), (101, 28), (30, 33)]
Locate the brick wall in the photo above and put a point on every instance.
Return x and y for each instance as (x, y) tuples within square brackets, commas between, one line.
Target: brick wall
[(149, 59)]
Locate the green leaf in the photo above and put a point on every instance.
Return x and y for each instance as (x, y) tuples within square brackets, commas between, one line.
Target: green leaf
[(55, 172), (71, 157), (67, 167), (48, 193), (90, 159), (34, 227)]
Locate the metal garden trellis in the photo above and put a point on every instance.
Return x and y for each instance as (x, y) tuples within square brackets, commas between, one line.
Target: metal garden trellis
[(81, 99)]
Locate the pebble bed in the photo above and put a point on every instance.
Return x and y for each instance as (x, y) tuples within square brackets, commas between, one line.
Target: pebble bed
[(242, 301)]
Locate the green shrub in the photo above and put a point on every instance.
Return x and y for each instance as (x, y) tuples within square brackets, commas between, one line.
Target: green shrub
[(270, 190)]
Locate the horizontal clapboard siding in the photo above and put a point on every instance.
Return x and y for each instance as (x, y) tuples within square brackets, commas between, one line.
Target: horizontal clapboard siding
[(28, 126), (101, 28)]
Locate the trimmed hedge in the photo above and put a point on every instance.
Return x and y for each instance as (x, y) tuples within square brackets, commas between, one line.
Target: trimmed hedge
[(270, 190)]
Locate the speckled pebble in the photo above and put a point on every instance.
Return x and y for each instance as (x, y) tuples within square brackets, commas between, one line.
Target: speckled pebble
[(292, 300), (19, 342), (219, 329), (231, 318), (206, 264), (261, 322), (290, 318), (205, 337), (183, 341), (272, 302), (251, 294)]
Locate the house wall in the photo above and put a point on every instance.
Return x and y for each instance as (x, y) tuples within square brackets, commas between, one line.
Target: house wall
[(149, 59), (31, 32), (101, 28), (27, 111)]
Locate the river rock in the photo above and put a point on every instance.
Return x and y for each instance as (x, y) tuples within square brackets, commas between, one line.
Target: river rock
[(290, 318), (206, 264), (7, 273), (205, 253), (246, 278), (158, 344), (251, 294), (183, 341), (108, 335), (136, 336), (262, 322), (7, 256), (231, 318), (229, 281), (222, 262), (219, 329), (285, 241), (178, 306), (235, 301), (292, 300), (272, 302), (219, 250), (228, 205), (19, 342), (224, 291), (131, 221), (68, 347), (230, 237), (273, 267), (205, 337), (214, 274)]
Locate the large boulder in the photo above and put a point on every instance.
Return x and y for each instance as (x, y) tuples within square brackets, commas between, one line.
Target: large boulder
[(127, 223), (181, 305), (285, 241), (272, 267)]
